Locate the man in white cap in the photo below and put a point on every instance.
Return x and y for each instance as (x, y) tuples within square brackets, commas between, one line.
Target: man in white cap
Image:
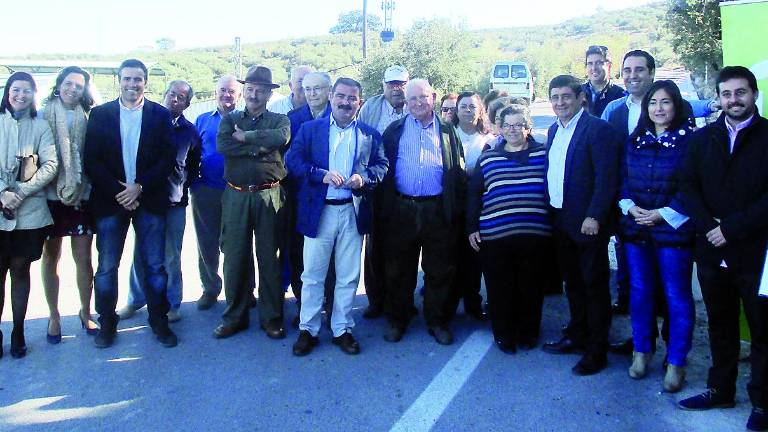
[(380, 111)]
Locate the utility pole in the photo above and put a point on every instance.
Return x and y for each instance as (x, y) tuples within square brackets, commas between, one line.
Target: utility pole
[(238, 58), (365, 26)]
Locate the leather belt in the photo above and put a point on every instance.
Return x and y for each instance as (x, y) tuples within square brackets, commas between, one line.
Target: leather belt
[(418, 198), (338, 201), (253, 188)]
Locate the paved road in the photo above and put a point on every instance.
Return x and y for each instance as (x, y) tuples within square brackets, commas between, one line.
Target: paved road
[(249, 382)]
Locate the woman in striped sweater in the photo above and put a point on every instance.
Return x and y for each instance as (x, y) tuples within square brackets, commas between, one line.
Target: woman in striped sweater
[(507, 216)]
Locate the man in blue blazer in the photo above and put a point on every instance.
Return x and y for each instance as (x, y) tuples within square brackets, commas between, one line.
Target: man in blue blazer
[(338, 161), (128, 157), (582, 182)]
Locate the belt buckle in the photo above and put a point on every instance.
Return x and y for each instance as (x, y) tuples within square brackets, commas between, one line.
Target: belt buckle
[(253, 188)]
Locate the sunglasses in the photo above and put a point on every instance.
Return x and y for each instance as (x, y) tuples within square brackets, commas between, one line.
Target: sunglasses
[(446, 109)]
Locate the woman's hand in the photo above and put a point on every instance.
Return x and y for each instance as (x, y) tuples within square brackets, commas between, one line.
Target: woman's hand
[(10, 200), (474, 240), (649, 218)]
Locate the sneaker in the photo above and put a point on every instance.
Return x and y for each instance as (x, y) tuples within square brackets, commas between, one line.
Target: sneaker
[(758, 421), (174, 315), (128, 311), (707, 400)]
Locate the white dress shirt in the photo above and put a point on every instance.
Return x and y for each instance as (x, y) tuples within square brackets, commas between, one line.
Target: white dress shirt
[(557, 154)]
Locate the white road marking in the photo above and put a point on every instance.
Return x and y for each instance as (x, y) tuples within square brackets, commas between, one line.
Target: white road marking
[(429, 406)]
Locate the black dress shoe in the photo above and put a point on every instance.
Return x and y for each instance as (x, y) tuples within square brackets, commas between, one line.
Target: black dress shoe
[(304, 343), (590, 364), (224, 331), (527, 344), (18, 344), (373, 311), (565, 345), (105, 338), (166, 337), (394, 333), (206, 301), (347, 343), (625, 347), (442, 335), (705, 401), (274, 330), (758, 420), (476, 312), (506, 347), (621, 306)]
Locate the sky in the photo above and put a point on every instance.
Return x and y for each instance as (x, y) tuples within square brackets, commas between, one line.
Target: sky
[(111, 27)]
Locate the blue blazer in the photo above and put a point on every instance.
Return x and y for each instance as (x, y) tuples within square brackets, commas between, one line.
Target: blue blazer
[(103, 158), (307, 160), (591, 181)]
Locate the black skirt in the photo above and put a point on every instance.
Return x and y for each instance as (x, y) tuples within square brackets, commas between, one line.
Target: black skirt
[(27, 243)]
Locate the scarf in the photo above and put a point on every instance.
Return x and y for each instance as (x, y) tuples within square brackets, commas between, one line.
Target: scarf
[(668, 138), (71, 182)]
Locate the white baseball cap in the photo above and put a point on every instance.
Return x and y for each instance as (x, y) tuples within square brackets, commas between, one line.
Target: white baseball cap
[(395, 73)]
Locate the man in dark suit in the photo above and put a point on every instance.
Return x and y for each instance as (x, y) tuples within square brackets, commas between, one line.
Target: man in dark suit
[(418, 204), (339, 162), (582, 181), (725, 186), (128, 157)]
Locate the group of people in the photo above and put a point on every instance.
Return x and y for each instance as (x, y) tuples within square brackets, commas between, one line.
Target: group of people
[(311, 180)]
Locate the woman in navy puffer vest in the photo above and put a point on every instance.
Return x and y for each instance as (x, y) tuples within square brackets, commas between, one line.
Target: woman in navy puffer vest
[(657, 234)]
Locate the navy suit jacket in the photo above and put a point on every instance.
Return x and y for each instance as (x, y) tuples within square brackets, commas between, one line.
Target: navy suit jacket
[(307, 160), (591, 180), (103, 158)]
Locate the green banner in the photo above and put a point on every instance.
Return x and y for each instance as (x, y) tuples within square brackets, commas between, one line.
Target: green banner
[(745, 32)]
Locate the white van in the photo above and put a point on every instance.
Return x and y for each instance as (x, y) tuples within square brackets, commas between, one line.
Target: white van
[(514, 78)]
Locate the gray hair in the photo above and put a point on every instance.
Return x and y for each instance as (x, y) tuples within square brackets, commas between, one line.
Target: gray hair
[(190, 93), (227, 79), (325, 77), (418, 82)]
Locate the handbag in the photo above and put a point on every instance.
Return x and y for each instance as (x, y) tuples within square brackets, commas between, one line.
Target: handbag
[(27, 167)]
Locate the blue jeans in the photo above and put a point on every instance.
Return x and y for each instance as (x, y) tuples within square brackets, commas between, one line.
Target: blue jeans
[(110, 240), (674, 267), (174, 237)]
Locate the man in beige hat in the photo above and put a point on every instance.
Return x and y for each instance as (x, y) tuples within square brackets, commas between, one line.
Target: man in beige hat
[(252, 142)]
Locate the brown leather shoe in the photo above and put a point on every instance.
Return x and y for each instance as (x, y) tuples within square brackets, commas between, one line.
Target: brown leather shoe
[(274, 330), (347, 343), (224, 331), (304, 343)]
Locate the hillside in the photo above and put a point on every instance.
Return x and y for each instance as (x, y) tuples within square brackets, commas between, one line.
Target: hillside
[(550, 50)]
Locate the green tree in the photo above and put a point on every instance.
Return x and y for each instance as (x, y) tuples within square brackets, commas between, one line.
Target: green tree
[(695, 33), (352, 22), (446, 55)]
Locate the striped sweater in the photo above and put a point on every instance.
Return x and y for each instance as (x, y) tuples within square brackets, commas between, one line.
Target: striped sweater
[(507, 194)]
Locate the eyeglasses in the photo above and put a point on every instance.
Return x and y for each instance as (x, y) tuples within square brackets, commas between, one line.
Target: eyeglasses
[(446, 109), (518, 126), (422, 98), (464, 107), (315, 89)]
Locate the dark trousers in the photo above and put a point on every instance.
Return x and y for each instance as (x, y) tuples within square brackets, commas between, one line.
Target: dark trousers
[(150, 238), (248, 218), (585, 268), (466, 282), (375, 276), (512, 268), (722, 288), (414, 227)]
